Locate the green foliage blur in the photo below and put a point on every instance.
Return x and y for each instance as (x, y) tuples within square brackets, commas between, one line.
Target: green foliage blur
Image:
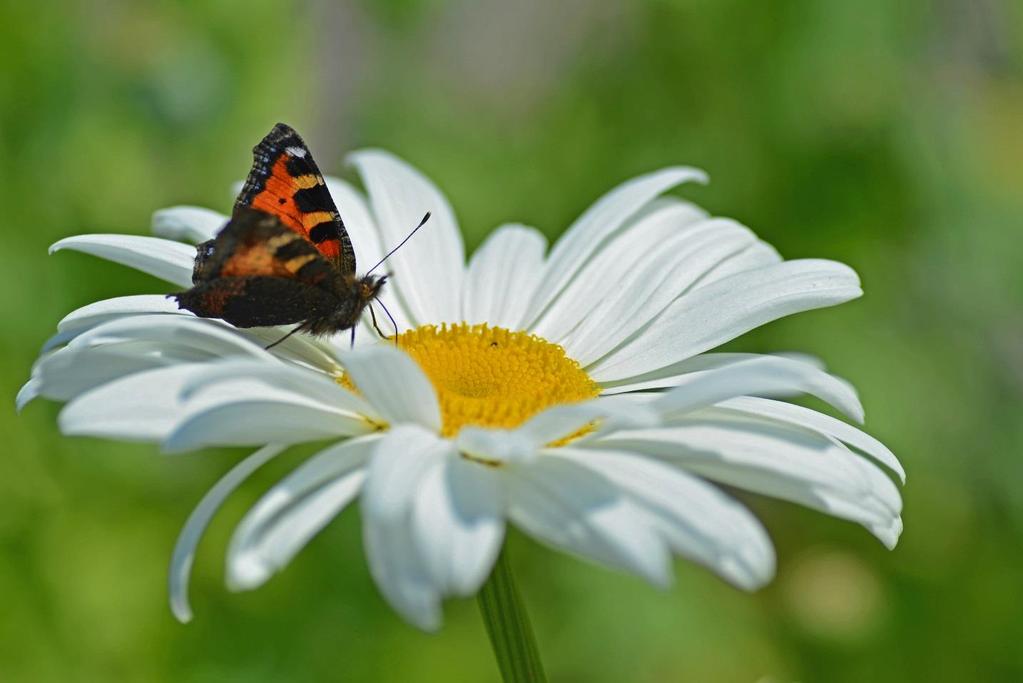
[(888, 135)]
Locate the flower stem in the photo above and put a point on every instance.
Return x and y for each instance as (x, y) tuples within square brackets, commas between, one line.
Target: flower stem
[(507, 624)]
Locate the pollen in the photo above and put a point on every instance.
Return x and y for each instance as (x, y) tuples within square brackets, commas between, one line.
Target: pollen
[(492, 377)]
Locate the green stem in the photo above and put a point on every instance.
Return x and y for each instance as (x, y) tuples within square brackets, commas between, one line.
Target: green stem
[(507, 624)]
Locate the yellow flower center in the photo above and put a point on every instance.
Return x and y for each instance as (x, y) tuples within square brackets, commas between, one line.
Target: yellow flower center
[(492, 377)]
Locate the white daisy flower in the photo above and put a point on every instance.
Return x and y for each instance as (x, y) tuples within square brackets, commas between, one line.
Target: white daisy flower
[(572, 393)]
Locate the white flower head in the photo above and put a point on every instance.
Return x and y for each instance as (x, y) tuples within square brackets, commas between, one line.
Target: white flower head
[(572, 393)]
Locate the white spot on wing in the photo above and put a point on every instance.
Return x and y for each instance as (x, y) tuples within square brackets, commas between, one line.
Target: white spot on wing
[(295, 152)]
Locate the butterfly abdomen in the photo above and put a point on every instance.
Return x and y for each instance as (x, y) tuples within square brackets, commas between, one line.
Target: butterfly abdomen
[(258, 301)]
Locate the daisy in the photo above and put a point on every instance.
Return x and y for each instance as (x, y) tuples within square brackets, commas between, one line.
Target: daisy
[(573, 393)]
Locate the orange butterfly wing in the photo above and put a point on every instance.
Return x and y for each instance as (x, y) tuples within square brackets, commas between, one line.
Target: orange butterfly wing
[(285, 182)]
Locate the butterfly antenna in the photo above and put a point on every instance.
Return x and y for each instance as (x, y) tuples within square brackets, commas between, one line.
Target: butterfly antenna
[(407, 238), (297, 328), (389, 316)]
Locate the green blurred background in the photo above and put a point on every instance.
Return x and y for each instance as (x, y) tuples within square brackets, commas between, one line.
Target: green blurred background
[(888, 135)]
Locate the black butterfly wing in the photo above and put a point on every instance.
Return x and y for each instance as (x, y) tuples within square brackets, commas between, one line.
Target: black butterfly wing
[(259, 272)]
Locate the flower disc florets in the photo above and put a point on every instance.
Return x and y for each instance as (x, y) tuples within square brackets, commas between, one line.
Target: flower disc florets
[(493, 377)]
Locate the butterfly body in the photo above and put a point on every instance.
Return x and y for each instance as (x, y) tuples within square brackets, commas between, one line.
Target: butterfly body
[(285, 256)]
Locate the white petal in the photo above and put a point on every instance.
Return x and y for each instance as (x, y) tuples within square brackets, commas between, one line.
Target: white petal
[(458, 523), (303, 349), (572, 508), (503, 274), (248, 412), (165, 259), (28, 392), (105, 310), (143, 406), (300, 381), (757, 255), (65, 373), (761, 376), (696, 519), (497, 445), (186, 334), (666, 273), (825, 424), (428, 270), (603, 273), (775, 460), (807, 358), (294, 510), (195, 527), (188, 223), (680, 372), (400, 462), (560, 421), (554, 423), (129, 344), (394, 385), (718, 312), (299, 347), (597, 223), (691, 213), (101, 311), (366, 240)]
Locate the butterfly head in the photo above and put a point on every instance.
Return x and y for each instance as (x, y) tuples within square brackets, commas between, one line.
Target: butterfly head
[(368, 286)]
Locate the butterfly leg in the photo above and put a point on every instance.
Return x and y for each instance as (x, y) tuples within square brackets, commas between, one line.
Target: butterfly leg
[(373, 317), (389, 316), (353, 336), (297, 328)]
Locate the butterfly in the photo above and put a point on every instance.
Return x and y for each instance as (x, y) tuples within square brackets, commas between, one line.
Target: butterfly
[(285, 256)]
